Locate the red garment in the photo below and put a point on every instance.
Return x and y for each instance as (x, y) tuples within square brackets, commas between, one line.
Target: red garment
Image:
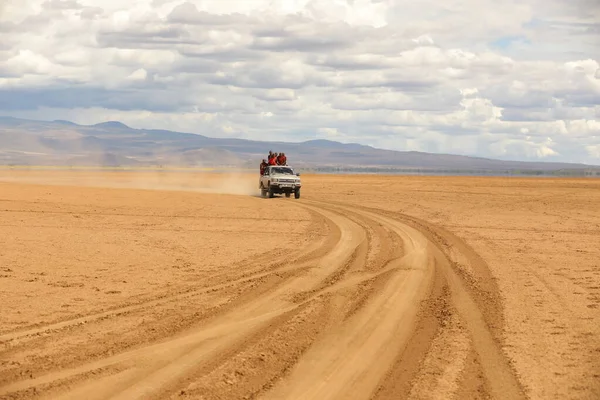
[(272, 161), (282, 160), (262, 168)]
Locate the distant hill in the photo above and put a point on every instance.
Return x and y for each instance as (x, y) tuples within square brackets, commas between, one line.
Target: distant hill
[(111, 125), (112, 143)]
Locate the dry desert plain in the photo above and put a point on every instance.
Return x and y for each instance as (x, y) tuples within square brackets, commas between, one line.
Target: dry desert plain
[(131, 285)]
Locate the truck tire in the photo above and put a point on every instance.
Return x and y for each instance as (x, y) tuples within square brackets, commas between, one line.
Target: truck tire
[(297, 194), (288, 194), (271, 194)]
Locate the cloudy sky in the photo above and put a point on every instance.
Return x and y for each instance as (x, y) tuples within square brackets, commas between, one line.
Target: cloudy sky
[(512, 79)]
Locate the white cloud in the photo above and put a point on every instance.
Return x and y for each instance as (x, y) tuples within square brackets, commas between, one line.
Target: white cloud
[(329, 132), (593, 150), (138, 75), (28, 62), (515, 79)]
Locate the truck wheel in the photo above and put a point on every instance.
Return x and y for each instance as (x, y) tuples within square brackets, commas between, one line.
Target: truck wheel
[(288, 194), (297, 194), (271, 194)]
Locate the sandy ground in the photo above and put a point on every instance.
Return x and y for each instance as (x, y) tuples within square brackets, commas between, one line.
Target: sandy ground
[(120, 285)]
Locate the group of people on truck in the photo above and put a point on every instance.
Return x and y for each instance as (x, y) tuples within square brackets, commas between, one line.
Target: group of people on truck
[(272, 159)]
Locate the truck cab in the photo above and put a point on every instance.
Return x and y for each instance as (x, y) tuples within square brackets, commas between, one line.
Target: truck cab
[(280, 179)]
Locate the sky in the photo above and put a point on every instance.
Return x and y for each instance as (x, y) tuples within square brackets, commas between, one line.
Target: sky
[(507, 79)]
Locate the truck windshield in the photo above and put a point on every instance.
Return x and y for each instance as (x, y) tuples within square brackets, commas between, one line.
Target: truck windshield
[(282, 170)]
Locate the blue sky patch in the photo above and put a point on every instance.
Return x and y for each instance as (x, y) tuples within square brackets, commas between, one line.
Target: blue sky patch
[(506, 42)]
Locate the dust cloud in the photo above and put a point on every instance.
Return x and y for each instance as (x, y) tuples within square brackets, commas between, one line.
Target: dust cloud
[(231, 182), (79, 163), (226, 182)]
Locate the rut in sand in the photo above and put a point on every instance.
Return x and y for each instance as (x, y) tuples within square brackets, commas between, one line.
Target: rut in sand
[(337, 321)]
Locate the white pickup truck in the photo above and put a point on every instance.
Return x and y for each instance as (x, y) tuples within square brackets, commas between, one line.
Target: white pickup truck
[(279, 179)]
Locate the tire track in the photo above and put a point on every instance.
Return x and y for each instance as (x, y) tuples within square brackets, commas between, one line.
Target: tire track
[(343, 290), (278, 261), (99, 335), (284, 264), (373, 335), (382, 322), (476, 302), (176, 356), (407, 368), (14, 337)]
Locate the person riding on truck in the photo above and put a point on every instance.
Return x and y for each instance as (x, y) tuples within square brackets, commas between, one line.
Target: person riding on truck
[(263, 166), (273, 159), (276, 159), (281, 159)]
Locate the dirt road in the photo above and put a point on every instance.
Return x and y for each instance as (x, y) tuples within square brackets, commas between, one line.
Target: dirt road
[(112, 293)]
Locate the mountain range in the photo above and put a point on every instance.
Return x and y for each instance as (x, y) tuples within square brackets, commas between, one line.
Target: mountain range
[(114, 144)]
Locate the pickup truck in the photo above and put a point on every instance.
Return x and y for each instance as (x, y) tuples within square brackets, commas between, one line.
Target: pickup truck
[(278, 179)]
